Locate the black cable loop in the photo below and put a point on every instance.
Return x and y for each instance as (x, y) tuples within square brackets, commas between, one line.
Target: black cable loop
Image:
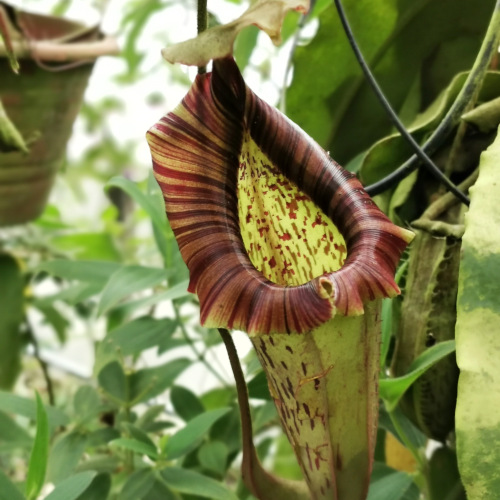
[(420, 154)]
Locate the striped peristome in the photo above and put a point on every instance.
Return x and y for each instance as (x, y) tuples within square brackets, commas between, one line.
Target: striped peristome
[(196, 157)]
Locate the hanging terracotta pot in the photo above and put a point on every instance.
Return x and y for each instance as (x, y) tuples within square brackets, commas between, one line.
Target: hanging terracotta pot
[(40, 103)]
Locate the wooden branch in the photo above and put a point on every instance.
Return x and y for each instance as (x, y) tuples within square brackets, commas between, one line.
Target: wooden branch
[(63, 52)]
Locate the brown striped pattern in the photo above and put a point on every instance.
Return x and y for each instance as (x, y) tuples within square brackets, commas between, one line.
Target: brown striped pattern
[(195, 152)]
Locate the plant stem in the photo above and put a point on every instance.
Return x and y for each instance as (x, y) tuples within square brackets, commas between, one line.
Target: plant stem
[(43, 365), (202, 26), (241, 388), (474, 80), (445, 201), (419, 152), (302, 21), (199, 355)]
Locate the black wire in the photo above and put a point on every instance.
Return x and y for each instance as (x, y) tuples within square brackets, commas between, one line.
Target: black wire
[(420, 154)]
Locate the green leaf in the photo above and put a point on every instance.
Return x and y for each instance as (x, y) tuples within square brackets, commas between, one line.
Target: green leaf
[(228, 430), (186, 404), (10, 137), (194, 483), (137, 485), (265, 414), (150, 382), (486, 116), (397, 486), (39, 454), (126, 281), (132, 338), (99, 488), (54, 318), (11, 318), (101, 437), (477, 419), (341, 112), (87, 246), (65, 455), (12, 432), (151, 203), (391, 389), (136, 446), (72, 487), (258, 388), (112, 379), (213, 456), (386, 315), (101, 463), (244, 44), (86, 403), (27, 408), (148, 418), (159, 490), (177, 291), (416, 437), (73, 294), (444, 478), (188, 438), (218, 397), (139, 435), (8, 491), (96, 272)]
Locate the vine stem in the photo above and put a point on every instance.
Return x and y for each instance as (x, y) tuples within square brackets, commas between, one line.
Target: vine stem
[(419, 152), (202, 20), (488, 48), (249, 453)]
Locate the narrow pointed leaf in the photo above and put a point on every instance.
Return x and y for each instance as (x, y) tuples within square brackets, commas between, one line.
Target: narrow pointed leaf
[(72, 487), (391, 389), (126, 281), (148, 202), (194, 483), (136, 446), (28, 408), (39, 453), (88, 271), (189, 437), (396, 486)]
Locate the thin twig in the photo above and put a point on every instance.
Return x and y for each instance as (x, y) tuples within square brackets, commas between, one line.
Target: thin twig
[(63, 52), (428, 163), (199, 355), (488, 48), (300, 26), (202, 25)]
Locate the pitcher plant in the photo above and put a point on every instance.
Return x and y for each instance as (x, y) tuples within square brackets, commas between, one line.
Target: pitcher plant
[(282, 243)]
